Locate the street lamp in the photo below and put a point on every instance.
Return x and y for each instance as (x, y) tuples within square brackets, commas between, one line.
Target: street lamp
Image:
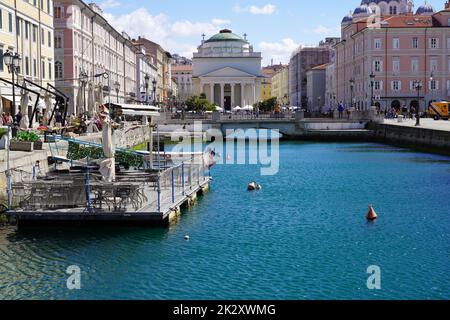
[(418, 86), (117, 88), (154, 91), (352, 87), (372, 82), (319, 104), (12, 61), (146, 84)]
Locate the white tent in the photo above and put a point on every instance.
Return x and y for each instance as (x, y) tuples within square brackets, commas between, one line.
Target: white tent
[(248, 108)]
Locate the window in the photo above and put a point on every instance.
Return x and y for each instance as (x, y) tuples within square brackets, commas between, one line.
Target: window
[(48, 6), (377, 44), (58, 42), (1, 19), (378, 66), (58, 70), (18, 22), (42, 4), (396, 43), (393, 10), (43, 69), (448, 85), (10, 22), (35, 3), (377, 85), (415, 43), (415, 65), (57, 12), (1, 60), (396, 85), (433, 64), (434, 43), (448, 22), (49, 70), (27, 66), (396, 65), (434, 85), (34, 33), (34, 68), (43, 37), (26, 29), (49, 39)]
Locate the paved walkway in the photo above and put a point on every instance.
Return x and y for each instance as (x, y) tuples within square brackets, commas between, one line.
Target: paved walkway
[(424, 123)]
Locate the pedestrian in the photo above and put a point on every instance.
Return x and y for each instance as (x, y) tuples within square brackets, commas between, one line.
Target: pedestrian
[(341, 110), (18, 116), (4, 119)]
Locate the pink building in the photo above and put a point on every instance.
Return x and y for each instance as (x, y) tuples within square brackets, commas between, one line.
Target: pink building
[(85, 43), (387, 44)]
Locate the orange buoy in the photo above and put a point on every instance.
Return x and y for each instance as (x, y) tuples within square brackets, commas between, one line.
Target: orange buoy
[(372, 215)]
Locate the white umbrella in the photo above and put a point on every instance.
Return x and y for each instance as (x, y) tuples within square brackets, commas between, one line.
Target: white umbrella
[(80, 100), (219, 109), (107, 166), (24, 99), (248, 108), (91, 99), (237, 108), (1, 102)]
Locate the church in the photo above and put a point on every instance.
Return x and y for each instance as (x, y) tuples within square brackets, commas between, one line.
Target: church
[(227, 70)]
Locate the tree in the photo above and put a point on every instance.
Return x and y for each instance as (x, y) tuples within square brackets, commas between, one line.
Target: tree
[(267, 105), (198, 104)]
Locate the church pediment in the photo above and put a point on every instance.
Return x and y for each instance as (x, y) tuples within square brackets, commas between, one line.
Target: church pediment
[(228, 72)]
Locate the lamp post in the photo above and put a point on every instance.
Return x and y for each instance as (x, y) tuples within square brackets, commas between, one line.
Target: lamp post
[(432, 87), (319, 99), (117, 88), (418, 86), (352, 88), (12, 61), (154, 91), (146, 85), (372, 83)]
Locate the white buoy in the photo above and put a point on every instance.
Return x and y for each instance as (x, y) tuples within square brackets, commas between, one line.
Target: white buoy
[(187, 238)]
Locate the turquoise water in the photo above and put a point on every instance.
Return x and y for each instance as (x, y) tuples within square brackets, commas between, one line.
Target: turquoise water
[(304, 236)]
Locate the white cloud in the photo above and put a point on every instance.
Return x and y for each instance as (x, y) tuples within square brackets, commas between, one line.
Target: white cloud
[(159, 29), (267, 9), (107, 4), (278, 51)]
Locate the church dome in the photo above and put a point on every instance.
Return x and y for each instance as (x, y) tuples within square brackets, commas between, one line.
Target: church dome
[(225, 35), (363, 10), (425, 9), (348, 18)]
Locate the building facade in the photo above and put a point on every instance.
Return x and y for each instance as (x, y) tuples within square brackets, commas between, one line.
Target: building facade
[(302, 60), (163, 61), (182, 73), (146, 68), (86, 44), (385, 60), (227, 71), (330, 85), (280, 85), (26, 28), (316, 81)]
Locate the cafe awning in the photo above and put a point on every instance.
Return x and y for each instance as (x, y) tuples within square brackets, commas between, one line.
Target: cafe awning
[(139, 110)]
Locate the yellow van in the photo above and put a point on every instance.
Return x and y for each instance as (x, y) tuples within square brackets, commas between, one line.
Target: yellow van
[(440, 110)]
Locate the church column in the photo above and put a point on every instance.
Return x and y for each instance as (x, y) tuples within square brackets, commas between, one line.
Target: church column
[(254, 93), (222, 95), (242, 94), (232, 95), (211, 88)]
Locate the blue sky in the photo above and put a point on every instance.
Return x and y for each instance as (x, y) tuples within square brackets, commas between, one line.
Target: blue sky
[(274, 27)]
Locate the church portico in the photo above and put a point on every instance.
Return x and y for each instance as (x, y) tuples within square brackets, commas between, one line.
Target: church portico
[(227, 80)]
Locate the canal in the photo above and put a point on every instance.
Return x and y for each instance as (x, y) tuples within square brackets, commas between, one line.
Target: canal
[(303, 236)]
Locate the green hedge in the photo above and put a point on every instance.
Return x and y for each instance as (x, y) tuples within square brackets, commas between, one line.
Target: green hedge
[(127, 159)]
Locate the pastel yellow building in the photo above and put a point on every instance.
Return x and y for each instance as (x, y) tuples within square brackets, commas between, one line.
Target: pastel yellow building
[(280, 85), (26, 28), (266, 89)]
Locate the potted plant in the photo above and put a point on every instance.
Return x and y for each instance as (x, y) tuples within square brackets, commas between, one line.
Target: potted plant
[(26, 141)]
